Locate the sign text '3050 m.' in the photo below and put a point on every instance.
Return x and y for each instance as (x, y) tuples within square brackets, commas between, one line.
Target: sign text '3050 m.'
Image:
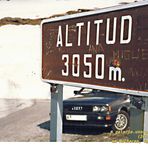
[(115, 73)]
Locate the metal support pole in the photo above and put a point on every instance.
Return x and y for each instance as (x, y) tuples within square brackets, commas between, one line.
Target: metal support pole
[(136, 125), (56, 113), (136, 119), (145, 134)]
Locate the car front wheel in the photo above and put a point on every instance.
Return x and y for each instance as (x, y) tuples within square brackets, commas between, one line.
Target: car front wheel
[(122, 121)]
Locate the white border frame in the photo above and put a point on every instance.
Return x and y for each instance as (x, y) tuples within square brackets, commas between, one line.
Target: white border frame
[(89, 13)]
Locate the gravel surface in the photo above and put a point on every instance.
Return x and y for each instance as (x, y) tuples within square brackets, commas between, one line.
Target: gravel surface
[(32, 124)]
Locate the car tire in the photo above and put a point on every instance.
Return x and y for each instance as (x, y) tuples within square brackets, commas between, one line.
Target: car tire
[(121, 122)]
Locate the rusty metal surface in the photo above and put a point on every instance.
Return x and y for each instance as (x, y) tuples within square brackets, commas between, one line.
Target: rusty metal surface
[(130, 57)]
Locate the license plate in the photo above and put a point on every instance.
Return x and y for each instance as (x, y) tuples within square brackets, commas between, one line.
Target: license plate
[(76, 117)]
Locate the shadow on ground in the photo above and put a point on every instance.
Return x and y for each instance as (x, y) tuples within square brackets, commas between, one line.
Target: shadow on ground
[(78, 130), (45, 125)]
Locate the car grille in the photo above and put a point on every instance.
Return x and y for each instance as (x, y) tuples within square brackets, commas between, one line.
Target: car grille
[(77, 108)]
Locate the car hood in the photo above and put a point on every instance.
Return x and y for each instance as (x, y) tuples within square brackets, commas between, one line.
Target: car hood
[(91, 100)]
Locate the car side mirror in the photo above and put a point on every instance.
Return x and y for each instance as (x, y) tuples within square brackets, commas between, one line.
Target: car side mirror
[(76, 92)]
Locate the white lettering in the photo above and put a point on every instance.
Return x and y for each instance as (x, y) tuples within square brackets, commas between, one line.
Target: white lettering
[(122, 40), (98, 22), (109, 36), (67, 44), (101, 75), (115, 73), (108, 31), (76, 65), (79, 25), (59, 38), (65, 71), (89, 65), (88, 33)]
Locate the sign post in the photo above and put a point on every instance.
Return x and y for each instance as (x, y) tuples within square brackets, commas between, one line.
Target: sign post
[(56, 113)]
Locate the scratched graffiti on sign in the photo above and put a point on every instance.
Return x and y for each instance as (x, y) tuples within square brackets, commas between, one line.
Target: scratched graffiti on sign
[(108, 49)]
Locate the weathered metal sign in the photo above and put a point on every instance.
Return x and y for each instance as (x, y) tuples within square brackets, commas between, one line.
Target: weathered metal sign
[(105, 49)]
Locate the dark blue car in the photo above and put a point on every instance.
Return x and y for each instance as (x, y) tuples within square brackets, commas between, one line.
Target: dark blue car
[(91, 107)]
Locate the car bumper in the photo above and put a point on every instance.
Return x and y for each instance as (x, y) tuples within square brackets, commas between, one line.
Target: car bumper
[(92, 120)]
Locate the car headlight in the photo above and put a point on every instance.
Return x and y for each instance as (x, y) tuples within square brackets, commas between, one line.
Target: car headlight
[(96, 108), (101, 108), (104, 109)]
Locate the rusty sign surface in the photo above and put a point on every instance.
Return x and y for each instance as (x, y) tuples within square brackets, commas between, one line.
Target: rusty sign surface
[(105, 49)]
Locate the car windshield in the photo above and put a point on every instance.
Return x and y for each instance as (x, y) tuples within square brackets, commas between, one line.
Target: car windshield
[(96, 92), (88, 91)]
